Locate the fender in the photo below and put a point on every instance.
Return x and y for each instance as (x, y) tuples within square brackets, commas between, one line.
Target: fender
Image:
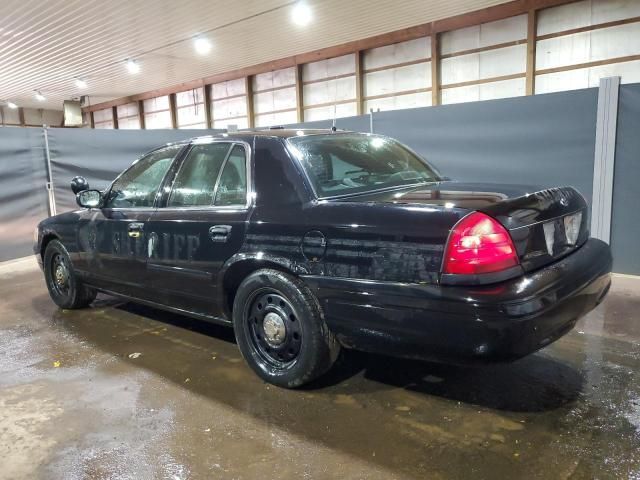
[(236, 269)]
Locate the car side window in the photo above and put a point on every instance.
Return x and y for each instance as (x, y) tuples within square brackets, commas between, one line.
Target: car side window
[(137, 186), (232, 187), (196, 181)]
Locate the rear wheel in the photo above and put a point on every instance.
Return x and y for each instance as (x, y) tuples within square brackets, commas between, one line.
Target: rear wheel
[(280, 329), (65, 288)]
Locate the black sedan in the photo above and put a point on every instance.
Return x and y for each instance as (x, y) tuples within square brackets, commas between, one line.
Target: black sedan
[(310, 241)]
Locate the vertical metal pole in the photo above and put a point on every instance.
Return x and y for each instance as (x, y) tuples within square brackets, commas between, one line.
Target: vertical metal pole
[(604, 160), (49, 184)]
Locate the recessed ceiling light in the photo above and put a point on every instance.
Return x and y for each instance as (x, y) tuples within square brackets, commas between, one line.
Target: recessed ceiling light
[(133, 66), (39, 96), (301, 14), (12, 105), (80, 83), (202, 45)]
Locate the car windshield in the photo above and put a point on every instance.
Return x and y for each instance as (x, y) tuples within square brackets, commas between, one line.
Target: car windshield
[(344, 163)]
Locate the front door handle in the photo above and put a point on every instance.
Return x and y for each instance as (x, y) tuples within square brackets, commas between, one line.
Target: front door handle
[(219, 233), (135, 229)]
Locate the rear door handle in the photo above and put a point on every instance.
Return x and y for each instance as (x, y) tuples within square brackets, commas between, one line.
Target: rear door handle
[(219, 233), (135, 229)]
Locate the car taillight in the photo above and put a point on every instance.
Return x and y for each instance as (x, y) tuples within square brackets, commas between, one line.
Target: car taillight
[(479, 244)]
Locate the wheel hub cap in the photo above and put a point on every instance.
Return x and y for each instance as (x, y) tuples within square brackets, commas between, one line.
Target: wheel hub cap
[(61, 275), (274, 328)]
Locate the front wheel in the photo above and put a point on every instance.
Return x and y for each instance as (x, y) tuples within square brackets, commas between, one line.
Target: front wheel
[(280, 329), (65, 288)]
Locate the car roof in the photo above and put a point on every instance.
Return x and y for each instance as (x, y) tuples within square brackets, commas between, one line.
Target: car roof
[(268, 132)]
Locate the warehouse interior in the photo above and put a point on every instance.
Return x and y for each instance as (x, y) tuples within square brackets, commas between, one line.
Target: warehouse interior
[(521, 92)]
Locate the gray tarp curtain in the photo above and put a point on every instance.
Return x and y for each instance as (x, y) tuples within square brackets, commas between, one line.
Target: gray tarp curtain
[(23, 196), (625, 221), (544, 140)]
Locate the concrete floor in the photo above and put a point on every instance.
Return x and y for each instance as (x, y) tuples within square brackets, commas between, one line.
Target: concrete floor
[(121, 391)]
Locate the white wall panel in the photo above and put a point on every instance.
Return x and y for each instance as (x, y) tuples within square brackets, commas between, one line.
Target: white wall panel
[(329, 91), (10, 116), (587, 77), (410, 77), (503, 89), (492, 63), (128, 110), (417, 49), (277, 78), (272, 119), (228, 89), (275, 100), (601, 44), (107, 125), (484, 35), (329, 68), (193, 114), (585, 13), (131, 123), (323, 113), (190, 97), (240, 123), (103, 115), (485, 91), (230, 107), (503, 61), (155, 104), (157, 120), (413, 100)]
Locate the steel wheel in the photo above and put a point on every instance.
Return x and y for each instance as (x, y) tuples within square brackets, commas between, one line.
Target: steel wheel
[(274, 327), (60, 275)]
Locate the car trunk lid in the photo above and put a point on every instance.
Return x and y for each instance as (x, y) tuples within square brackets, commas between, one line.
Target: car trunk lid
[(545, 224)]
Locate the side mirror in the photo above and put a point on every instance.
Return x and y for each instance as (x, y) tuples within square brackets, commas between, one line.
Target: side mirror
[(89, 198), (79, 184)]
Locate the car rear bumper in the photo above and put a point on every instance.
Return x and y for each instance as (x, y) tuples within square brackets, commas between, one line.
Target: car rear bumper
[(463, 324)]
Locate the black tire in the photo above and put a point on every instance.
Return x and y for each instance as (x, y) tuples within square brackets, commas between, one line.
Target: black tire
[(65, 288), (307, 349)]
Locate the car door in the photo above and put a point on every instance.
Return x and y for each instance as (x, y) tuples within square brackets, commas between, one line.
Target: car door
[(116, 237), (200, 225)]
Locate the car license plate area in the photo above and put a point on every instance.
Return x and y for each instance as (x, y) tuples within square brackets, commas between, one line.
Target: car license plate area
[(561, 234)]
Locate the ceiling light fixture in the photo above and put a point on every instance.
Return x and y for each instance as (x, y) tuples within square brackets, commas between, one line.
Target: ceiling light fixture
[(301, 14), (80, 83), (39, 96), (133, 66), (202, 45), (12, 105)]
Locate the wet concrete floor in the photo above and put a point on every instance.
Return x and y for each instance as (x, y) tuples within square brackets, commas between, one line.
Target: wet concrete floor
[(121, 391)]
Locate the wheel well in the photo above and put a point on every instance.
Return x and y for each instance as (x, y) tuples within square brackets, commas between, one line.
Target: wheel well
[(45, 241), (237, 273)]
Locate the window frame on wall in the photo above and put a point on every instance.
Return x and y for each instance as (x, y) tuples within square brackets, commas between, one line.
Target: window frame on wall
[(103, 123), (335, 103), (150, 113), (199, 102), (128, 118), (218, 99), (274, 90), (394, 67)]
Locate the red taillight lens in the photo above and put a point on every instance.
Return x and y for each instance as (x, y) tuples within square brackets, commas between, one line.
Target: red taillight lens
[(479, 244)]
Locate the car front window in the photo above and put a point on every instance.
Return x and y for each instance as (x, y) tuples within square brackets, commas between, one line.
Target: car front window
[(340, 164), (137, 186)]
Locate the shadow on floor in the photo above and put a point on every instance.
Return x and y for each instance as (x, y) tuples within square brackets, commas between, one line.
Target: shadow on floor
[(536, 383)]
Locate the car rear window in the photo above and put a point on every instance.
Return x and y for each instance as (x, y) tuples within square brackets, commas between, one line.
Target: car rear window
[(342, 164)]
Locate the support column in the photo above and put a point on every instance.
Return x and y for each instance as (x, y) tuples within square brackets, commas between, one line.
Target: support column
[(532, 29), (435, 68), (603, 165)]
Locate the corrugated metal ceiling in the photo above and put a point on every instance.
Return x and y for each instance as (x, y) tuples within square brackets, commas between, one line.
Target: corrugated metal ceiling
[(45, 44)]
